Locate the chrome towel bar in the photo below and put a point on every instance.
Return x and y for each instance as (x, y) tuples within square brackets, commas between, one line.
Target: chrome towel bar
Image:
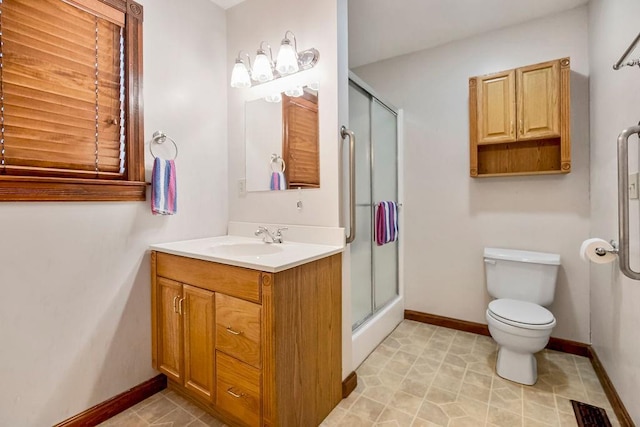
[(623, 201)]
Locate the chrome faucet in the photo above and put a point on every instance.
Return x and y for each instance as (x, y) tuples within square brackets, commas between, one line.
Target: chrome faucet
[(268, 236)]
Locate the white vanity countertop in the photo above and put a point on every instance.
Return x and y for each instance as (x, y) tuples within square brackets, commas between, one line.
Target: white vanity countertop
[(229, 250)]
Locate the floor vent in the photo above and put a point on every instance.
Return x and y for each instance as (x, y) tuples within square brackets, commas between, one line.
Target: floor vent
[(589, 415)]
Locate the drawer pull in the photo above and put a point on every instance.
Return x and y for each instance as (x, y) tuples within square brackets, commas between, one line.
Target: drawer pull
[(231, 331), (175, 309), (236, 395)]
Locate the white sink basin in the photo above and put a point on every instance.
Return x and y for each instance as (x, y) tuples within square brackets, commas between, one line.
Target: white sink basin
[(246, 249)]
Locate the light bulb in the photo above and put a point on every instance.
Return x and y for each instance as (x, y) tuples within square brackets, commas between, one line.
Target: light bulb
[(287, 61), (294, 92), (276, 97), (240, 76), (262, 68)]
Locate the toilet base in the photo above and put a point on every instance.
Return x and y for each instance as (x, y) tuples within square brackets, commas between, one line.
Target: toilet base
[(517, 367)]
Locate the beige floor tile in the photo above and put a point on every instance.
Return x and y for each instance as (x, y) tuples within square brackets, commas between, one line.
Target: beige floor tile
[(541, 413), (185, 404), (176, 418), (369, 381), (502, 418), (478, 379), (126, 418), (390, 379), (465, 422), (398, 367), (416, 387), (156, 410), (447, 382), (405, 402), (473, 408), (568, 420), (433, 413), (419, 422), (333, 418), (389, 414), (353, 420), (367, 408), (382, 394), (507, 400), (540, 397), (473, 391), (349, 401), (404, 357), (438, 395), (454, 410), (211, 421)]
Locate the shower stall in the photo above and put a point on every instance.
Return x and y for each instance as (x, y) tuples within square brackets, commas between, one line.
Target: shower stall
[(376, 298)]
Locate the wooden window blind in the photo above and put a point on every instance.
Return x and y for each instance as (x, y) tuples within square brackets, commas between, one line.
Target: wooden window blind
[(68, 88)]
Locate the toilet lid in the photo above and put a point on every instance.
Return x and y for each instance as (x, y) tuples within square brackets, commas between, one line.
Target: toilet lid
[(522, 312)]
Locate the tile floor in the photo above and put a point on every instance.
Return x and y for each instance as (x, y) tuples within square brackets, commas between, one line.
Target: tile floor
[(424, 375)]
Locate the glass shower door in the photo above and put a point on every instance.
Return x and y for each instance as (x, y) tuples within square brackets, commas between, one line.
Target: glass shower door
[(374, 269), (361, 259), (384, 146)]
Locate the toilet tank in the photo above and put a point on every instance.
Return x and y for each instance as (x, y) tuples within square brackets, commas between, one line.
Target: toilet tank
[(521, 275)]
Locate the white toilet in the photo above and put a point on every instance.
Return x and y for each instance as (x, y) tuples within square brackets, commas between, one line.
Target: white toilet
[(522, 283)]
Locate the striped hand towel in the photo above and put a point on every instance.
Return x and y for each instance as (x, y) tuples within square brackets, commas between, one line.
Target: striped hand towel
[(277, 181), (164, 199), (386, 223)]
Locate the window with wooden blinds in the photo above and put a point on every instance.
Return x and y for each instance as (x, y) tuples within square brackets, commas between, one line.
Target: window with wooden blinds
[(70, 121)]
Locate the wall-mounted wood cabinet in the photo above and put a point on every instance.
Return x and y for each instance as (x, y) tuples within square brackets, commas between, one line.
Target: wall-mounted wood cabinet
[(519, 121)]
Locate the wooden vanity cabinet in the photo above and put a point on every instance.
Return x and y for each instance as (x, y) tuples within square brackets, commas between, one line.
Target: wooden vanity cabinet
[(253, 348), (519, 121)]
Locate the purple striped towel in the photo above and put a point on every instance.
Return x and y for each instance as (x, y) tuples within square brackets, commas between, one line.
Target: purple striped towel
[(386, 223), (164, 199)]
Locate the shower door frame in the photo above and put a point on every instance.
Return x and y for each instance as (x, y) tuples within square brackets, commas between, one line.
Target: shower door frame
[(369, 332)]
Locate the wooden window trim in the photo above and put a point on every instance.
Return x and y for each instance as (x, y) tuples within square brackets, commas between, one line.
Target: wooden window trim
[(132, 187)]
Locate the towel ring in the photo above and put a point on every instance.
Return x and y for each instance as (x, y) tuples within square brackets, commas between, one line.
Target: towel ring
[(160, 137), (275, 160)]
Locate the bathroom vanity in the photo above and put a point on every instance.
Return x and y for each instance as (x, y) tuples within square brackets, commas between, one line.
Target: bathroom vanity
[(249, 331)]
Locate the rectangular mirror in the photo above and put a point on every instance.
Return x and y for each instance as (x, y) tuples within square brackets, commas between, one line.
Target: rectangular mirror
[(282, 141)]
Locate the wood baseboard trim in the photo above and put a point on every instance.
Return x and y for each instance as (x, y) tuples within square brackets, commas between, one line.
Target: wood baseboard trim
[(558, 344), (349, 384), (616, 403), (107, 409), (447, 322)]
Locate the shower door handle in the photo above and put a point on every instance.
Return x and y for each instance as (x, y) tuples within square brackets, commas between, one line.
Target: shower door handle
[(623, 201), (344, 133)]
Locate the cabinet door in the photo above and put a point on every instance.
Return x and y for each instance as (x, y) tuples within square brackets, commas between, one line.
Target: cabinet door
[(198, 341), (496, 108), (538, 97), (169, 355)]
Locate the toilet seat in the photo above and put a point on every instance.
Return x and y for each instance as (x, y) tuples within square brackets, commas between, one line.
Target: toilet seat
[(521, 314)]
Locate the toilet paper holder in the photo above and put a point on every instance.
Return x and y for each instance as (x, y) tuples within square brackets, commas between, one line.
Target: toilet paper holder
[(603, 251)]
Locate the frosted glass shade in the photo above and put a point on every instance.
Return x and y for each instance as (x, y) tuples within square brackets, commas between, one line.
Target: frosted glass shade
[(262, 69), (294, 92), (240, 76), (276, 97), (287, 61)]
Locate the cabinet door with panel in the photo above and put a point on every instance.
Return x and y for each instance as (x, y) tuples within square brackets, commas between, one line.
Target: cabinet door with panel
[(198, 313), (169, 295), (496, 107), (538, 95)]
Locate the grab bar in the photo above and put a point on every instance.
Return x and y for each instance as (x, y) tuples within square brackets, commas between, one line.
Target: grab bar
[(344, 133), (626, 53), (623, 201)]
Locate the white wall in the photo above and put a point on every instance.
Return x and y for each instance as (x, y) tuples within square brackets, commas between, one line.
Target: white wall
[(450, 217), (615, 299), (315, 25), (75, 317)]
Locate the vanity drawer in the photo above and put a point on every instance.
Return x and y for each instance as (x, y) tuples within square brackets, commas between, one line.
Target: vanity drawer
[(238, 328), (238, 389), (236, 281)]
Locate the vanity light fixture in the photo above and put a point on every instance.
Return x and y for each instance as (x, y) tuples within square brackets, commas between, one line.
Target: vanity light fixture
[(289, 61), (240, 74)]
